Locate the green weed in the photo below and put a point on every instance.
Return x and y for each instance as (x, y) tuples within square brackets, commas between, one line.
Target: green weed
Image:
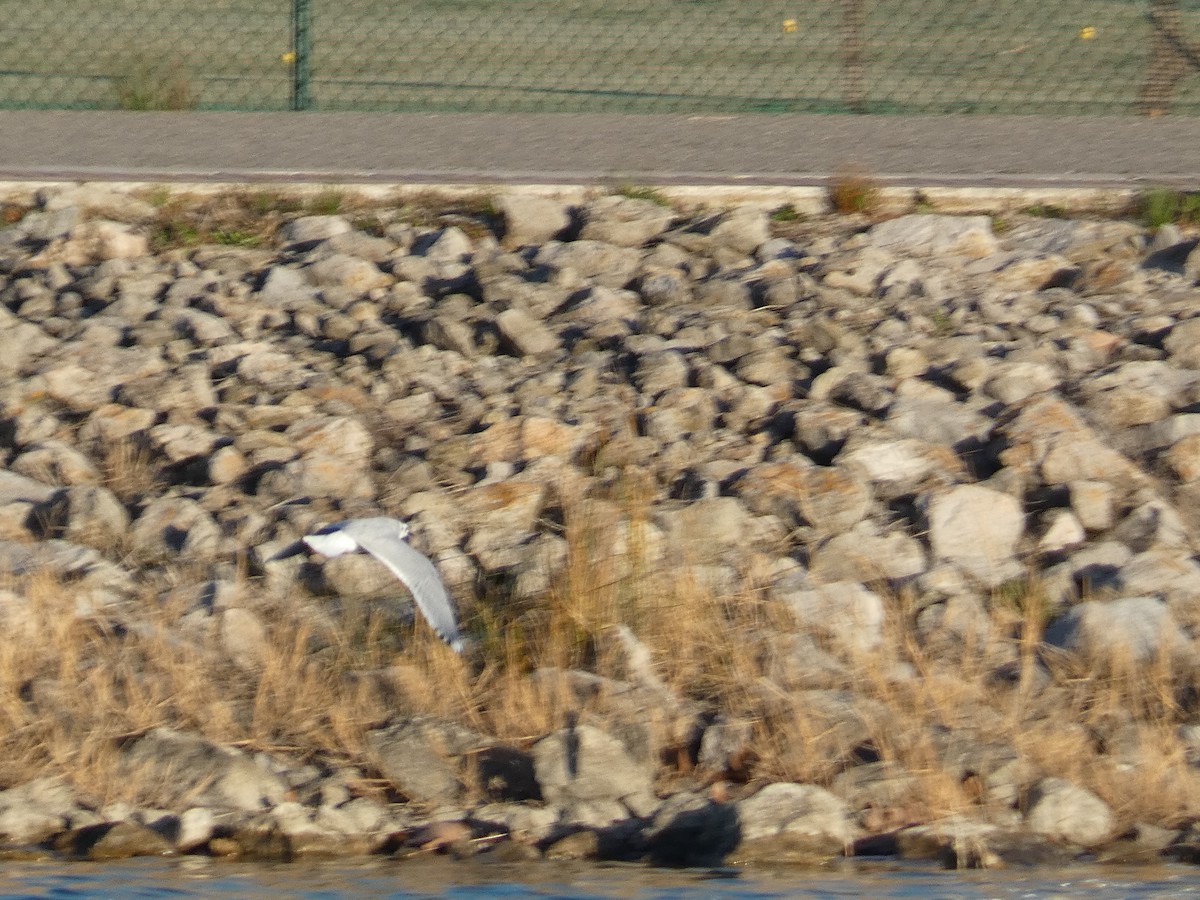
[(634, 192), (1163, 206), (786, 213)]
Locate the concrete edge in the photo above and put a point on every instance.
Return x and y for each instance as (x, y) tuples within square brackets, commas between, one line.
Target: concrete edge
[(805, 199)]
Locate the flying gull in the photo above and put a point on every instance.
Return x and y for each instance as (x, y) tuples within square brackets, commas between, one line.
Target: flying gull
[(383, 538)]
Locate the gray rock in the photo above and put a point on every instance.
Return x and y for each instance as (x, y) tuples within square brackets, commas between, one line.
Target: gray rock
[(583, 764), (21, 488), (833, 499), (53, 462), (285, 286), (312, 229), (174, 527), (692, 830), (978, 530), (448, 245), (530, 219), (32, 812), (1129, 631), (606, 265), (86, 515), (661, 371), (197, 825), (863, 554), (526, 335), (624, 221), (349, 272), (846, 612), (190, 768), (744, 229), (802, 811), (927, 235), (1063, 811), (900, 466), (417, 756)]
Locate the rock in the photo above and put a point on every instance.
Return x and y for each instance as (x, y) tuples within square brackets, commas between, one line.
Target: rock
[(310, 230), (846, 612), (1130, 631), (959, 843), (692, 830), (189, 767), (170, 528), (530, 219), (21, 488), (335, 457), (898, 467), (583, 764), (197, 826), (743, 229), (608, 266), (349, 272), (792, 822), (1092, 503), (863, 554), (98, 240), (55, 463), (86, 515), (1063, 811), (705, 530), (582, 844), (928, 235), (32, 812), (116, 840), (416, 755), (624, 221), (94, 583), (682, 415), (527, 336), (978, 530), (661, 371)]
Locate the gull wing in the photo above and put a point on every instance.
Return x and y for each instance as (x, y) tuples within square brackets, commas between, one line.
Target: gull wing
[(332, 540), (420, 577)]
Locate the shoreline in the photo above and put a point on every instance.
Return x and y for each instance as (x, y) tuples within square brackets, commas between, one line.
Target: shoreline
[(778, 535)]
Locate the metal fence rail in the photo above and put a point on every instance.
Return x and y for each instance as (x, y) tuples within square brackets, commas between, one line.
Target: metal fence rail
[(715, 56)]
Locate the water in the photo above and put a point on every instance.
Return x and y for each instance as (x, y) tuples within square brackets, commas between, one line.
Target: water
[(205, 878)]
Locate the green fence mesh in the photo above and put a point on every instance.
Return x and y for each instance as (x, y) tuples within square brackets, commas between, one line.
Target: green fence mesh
[(715, 56)]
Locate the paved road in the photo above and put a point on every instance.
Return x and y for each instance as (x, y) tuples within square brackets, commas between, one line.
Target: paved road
[(1017, 151)]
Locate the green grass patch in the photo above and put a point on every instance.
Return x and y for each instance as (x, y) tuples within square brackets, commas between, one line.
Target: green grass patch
[(1164, 206), (235, 237), (634, 192), (786, 213), (328, 203), (1045, 211)]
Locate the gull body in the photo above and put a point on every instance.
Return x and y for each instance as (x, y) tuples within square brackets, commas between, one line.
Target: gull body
[(384, 539)]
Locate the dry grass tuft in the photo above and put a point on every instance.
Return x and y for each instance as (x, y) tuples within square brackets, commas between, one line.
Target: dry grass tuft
[(854, 191)]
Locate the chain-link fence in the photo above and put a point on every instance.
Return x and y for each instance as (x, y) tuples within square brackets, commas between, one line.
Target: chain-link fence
[(703, 56)]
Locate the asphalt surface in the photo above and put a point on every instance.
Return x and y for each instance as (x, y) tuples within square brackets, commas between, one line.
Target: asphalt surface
[(569, 148)]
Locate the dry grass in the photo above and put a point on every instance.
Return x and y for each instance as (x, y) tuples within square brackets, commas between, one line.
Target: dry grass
[(854, 191), (72, 689), (252, 218)]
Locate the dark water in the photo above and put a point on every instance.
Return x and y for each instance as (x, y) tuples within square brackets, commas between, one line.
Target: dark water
[(205, 878)]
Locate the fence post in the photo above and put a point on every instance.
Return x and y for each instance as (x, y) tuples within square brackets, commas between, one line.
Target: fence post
[(854, 24), (302, 51)]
